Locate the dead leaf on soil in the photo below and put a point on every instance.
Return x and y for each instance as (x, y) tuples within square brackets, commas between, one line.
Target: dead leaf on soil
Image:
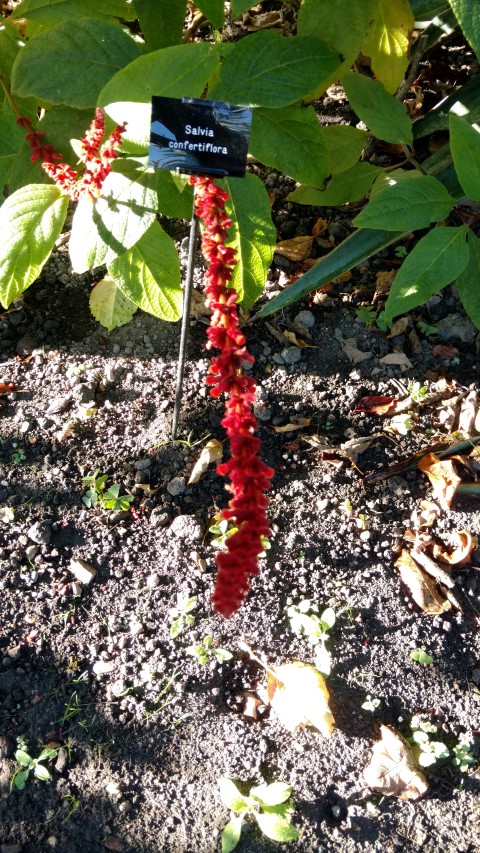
[(443, 477), (399, 327), (463, 548), (212, 452), (297, 423), (349, 347), (265, 20), (297, 342), (376, 405), (319, 227), (423, 589), (392, 770), (296, 249), (469, 417), (398, 358), (383, 284), (298, 694), (198, 307), (445, 352)]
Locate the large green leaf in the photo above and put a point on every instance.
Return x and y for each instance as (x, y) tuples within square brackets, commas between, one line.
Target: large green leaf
[(10, 44), (30, 221), (252, 235), (269, 70), (351, 185), (11, 139), (105, 229), (465, 148), (149, 274), (240, 6), (276, 827), (52, 12), (60, 125), (437, 260), (464, 102), (385, 116), (388, 41), (109, 305), (291, 140), (327, 21), (213, 11), (161, 23), (354, 250), (171, 201), (71, 62), (174, 72), (345, 144), (231, 833), (467, 13), (411, 203), (468, 282)]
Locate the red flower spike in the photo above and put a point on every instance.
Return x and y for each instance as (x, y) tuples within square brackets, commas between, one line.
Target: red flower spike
[(249, 476)]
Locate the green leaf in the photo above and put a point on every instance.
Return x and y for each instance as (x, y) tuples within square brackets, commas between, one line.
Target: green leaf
[(71, 62), (23, 758), (413, 204), (10, 44), (468, 280), (463, 102), (149, 274), (213, 11), (273, 794), (172, 202), (41, 772), (30, 221), (388, 41), (105, 229), (110, 306), (252, 235), (161, 23), (291, 140), (238, 7), (390, 179), (175, 72), (277, 828), (437, 260), (21, 779), (231, 796), (11, 139), (231, 834), (51, 12), (344, 144), (385, 116), (327, 21), (351, 185), (467, 13), (354, 250), (328, 618), (269, 70), (60, 125), (465, 148)]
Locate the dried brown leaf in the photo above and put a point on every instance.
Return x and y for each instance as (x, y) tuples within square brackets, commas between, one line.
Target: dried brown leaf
[(296, 249), (442, 476), (445, 352), (399, 327), (392, 770), (299, 695), (463, 548), (423, 589), (398, 358), (297, 342), (212, 452), (320, 227), (297, 423), (383, 284), (349, 347)]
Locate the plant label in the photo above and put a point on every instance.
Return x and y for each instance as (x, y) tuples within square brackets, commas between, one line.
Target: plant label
[(199, 137)]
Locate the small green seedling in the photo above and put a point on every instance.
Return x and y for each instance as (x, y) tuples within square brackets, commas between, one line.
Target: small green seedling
[(181, 616), (401, 252), (270, 805), (367, 314), (426, 329), (205, 651), (417, 392), (455, 361), (421, 656), (403, 424), (109, 499), (19, 456), (26, 765), (427, 752), (371, 704), (305, 621), (463, 756), (223, 529)]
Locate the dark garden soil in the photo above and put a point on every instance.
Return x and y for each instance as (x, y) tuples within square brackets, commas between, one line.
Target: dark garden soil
[(88, 664)]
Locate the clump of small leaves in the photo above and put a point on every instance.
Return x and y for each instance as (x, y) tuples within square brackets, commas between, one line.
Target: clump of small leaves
[(305, 621), (427, 751), (367, 314), (426, 328), (26, 764), (421, 656), (19, 456), (270, 805), (97, 494), (224, 528), (417, 392), (205, 651), (181, 616), (463, 756), (371, 704)]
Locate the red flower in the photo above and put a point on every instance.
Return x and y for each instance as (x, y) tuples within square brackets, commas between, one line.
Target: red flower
[(249, 476)]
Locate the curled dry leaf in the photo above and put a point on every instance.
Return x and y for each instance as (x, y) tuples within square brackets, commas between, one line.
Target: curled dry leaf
[(297, 342), (376, 405), (296, 249), (445, 352), (383, 283), (398, 358), (392, 770), (297, 423), (299, 695), (443, 477), (424, 590), (349, 347), (212, 452), (462, 549), (399, 327), (320, 227)]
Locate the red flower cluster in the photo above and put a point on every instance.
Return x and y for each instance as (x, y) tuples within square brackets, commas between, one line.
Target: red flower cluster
[(249, 476), (98, 163)]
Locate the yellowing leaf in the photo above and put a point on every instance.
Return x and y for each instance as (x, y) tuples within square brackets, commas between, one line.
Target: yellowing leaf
[(387, 41), (297, 342), (299, 695), (392, 770), (109, 305), (442, 476), (296, 249), (423, 588), (212, 452)]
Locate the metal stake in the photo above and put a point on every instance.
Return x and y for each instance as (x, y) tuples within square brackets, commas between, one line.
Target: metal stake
[(187, 300)]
